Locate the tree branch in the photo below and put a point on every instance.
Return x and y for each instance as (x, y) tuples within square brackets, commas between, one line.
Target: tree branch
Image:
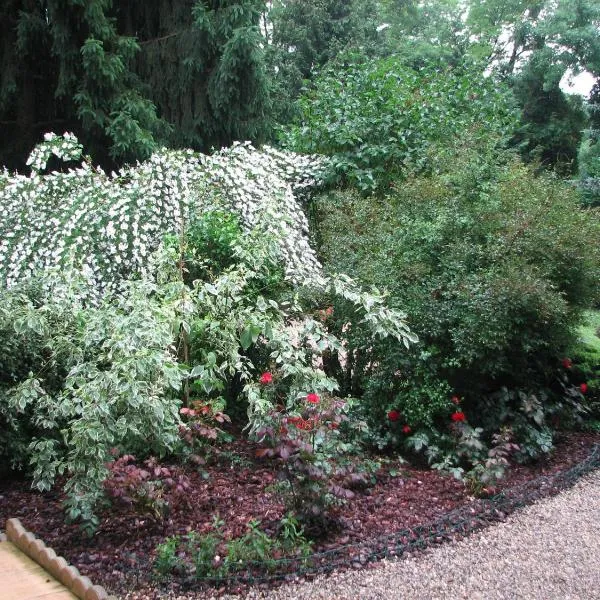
[(160, 39)]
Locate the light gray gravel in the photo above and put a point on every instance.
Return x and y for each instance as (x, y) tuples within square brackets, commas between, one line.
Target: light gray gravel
[(547, 551)]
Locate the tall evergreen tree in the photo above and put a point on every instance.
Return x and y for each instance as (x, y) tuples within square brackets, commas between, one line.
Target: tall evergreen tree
[(126, 76), (306, 34), (203, 63)]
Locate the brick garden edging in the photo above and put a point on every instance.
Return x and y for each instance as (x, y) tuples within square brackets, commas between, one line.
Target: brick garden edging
[(57, 566)]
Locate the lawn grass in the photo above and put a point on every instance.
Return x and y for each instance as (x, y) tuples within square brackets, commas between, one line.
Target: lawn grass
[(588, 332)]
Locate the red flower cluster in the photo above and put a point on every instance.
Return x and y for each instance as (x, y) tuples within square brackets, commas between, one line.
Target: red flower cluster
[(393, 415), (458, 416), (583, 388), (266, 378), (312, 398), (406, 429), (302, 424), (567, 363)]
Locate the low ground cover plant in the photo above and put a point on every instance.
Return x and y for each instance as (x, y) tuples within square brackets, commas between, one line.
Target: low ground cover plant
[(210, 555)]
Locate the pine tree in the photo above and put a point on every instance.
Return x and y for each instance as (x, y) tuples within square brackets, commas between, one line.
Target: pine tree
[(128, 76), (203, 63)]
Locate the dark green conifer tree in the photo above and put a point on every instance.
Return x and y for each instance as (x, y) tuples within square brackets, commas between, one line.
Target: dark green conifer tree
[(127, 76)]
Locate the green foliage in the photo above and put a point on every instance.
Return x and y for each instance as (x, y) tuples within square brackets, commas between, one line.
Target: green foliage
[(378, 119), (166, 560), (426, 31), (536, 44), (304, 36), (88, 371), (71, 65), (209, 555), (129, 77), (494, 265), (589, 153), (552, 121), (103, 377), (586, 361)]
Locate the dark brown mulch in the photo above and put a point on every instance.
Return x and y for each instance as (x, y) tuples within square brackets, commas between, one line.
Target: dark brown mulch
[(238, 489)]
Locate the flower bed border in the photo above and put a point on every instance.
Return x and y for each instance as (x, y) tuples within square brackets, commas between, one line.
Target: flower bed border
[(456, 524)]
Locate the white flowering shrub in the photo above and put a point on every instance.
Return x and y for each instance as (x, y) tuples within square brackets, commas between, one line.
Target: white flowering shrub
[(79, 378), (108, 225)]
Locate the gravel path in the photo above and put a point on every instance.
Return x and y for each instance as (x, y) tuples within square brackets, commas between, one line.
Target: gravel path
[(547, 551)]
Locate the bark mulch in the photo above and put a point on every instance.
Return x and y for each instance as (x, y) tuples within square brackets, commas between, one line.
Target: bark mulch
[(238, 488)]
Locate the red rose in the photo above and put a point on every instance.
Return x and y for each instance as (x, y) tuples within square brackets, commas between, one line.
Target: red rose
[(455, 399), (583, 388), (567, 363), (312, 398), (406, 429), (393, 415), (458, 416), (266, 378)]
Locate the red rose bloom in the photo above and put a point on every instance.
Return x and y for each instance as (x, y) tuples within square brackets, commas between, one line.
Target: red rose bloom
[(406, 429), (266, 378), (393, 415), (583, 388), (567, 363), (455, 399), (458, 416), (312, 398)]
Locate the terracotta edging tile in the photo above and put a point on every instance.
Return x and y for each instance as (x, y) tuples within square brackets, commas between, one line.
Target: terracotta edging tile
[(57, 566)]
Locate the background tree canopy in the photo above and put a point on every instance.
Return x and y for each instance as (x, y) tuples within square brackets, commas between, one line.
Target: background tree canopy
[(127, 77)]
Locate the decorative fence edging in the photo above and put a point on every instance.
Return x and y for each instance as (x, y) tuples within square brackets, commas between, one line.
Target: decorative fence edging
[(57, 566)]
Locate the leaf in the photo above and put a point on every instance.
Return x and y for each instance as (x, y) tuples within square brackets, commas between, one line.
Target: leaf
[(246, 338)]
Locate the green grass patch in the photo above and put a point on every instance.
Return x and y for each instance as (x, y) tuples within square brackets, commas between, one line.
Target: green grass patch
[(589, 332)]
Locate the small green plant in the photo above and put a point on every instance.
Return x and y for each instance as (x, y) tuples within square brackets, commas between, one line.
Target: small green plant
[(167, 560), (292, 537), (204, 552), (485, 474), (210, 555), (254, 546)]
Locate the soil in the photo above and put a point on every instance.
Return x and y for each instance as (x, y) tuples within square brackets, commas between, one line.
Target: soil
[(239, 488)]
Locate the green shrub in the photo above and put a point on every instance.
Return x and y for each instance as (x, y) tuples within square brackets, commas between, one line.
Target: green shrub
[(377, 118), (586, 362), (494, 266)]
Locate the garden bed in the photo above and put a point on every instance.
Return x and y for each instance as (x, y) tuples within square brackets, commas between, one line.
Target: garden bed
[(238, 489)]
